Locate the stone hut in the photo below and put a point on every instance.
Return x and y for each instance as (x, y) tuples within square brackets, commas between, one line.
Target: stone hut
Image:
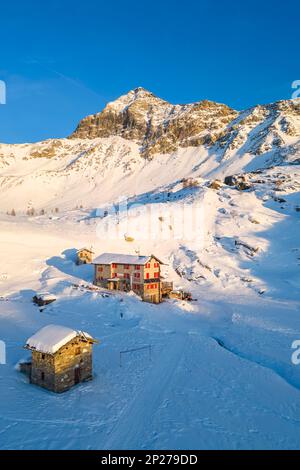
[(84, 256), (61, 357)]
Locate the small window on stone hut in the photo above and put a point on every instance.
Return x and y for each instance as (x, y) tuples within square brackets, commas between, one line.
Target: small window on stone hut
[(43, 376), (77, 351), (43, 356)]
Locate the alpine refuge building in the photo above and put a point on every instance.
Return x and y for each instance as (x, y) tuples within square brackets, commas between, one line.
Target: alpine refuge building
[(84, 256), (61, 357), (141, 274)]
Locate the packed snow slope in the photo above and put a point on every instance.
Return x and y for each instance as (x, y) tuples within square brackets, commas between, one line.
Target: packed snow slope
[(146, 176)]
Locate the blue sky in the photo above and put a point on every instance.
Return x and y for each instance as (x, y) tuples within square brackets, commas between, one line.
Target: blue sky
[(62, 60)]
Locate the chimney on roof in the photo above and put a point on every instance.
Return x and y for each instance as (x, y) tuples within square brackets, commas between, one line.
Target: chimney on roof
[(138, 252)]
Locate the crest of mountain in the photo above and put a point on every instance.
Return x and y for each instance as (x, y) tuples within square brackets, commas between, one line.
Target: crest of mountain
[(160, 127), (141, 136), (156, 125)]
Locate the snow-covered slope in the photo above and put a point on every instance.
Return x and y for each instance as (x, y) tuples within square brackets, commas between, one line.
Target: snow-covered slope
[(147, 176)]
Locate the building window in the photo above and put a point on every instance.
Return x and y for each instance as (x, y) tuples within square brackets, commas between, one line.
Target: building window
[(43, 356), (114, 265), (126, 266), (156, 274), (77, 351), (138, 275), (147, 265), (156, 265), (152, 286), (138, 267), (147, 275), (43, 376), (100, 269)]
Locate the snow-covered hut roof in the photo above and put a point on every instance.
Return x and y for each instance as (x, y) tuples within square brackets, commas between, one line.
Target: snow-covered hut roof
[(85, 249), (118, 258), (51, 338), (45, 296)]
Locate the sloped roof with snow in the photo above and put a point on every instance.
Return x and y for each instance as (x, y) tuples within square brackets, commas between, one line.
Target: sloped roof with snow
[(85, 249), (51, 338), (108, 258), (45, 296)]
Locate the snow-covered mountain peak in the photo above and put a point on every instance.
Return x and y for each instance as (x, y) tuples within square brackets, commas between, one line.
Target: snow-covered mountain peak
[(153, 123), (142, 141), (159, 127), (138, 94)]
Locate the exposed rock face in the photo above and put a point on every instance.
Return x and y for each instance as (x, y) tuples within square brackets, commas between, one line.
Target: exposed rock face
[(159, 127), (48, 150), (264, 129), (155, 124)]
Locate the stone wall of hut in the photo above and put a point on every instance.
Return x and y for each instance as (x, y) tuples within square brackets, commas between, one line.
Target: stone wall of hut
[(42, 370), (59, 372), (75, 355)]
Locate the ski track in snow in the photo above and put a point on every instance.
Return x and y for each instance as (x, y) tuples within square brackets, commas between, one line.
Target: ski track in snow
[(144, 405)]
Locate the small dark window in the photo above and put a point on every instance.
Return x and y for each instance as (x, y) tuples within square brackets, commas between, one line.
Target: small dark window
[(43, 376), (77, 351), (43, 356)]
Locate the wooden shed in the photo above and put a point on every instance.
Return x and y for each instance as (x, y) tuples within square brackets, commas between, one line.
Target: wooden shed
[(61, 357)]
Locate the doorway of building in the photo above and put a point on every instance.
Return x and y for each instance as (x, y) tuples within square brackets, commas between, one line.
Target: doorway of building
[(77, 375)]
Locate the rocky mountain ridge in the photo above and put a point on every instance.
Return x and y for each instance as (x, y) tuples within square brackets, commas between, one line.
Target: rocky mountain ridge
[(160, 127), (156, 125), (141, 141)]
